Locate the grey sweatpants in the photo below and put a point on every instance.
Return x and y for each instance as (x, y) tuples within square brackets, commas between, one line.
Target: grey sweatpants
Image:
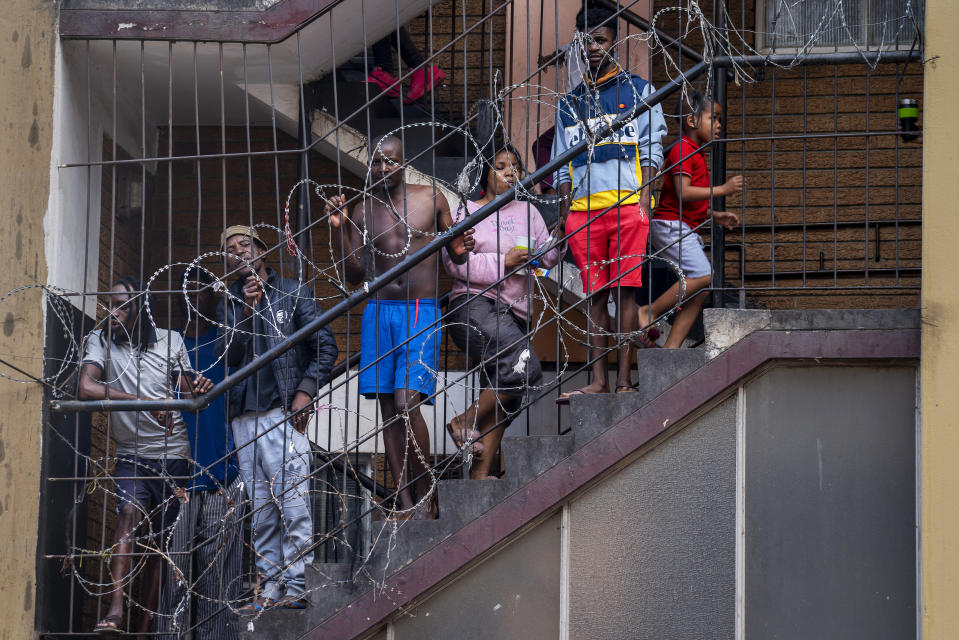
[(275, 468)]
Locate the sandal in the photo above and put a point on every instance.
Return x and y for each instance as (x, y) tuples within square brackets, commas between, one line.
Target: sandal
[(109, 626), (462, 434), (563, 399), (292, 602), (627, 388), (255, 606)]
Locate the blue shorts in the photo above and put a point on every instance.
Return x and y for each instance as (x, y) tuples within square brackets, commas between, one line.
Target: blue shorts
[(396, 323)]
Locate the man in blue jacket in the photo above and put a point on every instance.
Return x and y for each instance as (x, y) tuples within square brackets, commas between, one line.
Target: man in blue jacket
[(605, 191), (270, 411), (206, 548)]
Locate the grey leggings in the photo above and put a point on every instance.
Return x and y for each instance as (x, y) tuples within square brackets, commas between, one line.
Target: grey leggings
[(488, 332)]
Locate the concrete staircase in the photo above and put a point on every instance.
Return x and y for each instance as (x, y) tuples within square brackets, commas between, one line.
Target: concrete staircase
[(334, 586)]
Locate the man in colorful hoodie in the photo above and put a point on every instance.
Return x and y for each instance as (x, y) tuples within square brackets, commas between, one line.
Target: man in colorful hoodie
[(605, 192)]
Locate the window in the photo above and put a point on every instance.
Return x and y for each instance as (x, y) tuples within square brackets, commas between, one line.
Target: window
[(788, 25)]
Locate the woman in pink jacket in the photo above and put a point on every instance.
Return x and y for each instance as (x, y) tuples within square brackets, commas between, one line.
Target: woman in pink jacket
[(490, 323)]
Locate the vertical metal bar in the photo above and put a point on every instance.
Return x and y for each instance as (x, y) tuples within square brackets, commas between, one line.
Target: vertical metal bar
[(449, 110), (466, 82), (742, 164), (276, 160), (169, 274), (83, 322), (835, 177), (143, 154), (896, 190), (718, 161), (865, 257), (802, 193), (772, 183), (529, 226), (304, 141), (482, 38), (349, 315), (559, 232), (339, 178), (279, 223)]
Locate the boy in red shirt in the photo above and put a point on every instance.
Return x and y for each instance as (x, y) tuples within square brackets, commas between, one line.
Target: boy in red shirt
[(683, 207)]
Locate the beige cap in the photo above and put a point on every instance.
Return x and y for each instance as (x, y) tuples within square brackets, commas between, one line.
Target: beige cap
[(240, 230)]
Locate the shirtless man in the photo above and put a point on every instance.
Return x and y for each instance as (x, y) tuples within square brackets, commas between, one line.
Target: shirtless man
[(404, 314)]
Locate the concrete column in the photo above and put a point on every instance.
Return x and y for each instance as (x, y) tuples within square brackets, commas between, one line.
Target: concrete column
[(940, 327), (26, 113)]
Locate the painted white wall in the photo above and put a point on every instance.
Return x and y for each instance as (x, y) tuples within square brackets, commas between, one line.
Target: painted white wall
[(332, 427), (82, 117)]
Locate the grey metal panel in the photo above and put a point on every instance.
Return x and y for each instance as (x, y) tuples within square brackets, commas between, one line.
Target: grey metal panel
[(514, 594), (652, 549), (830, 503)]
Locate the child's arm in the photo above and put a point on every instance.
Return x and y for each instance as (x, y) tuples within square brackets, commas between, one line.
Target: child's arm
[(726, 219), (688, 193)]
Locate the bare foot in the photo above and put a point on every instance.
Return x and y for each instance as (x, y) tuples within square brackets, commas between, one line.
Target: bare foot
[(588, 389), (643, 316), (460, 433)]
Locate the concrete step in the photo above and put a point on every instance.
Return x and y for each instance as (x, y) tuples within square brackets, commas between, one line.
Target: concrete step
[(659, 369), (331, 587), (463, 500), (527, 457), (725, 327), (421, 132), (396, 544)]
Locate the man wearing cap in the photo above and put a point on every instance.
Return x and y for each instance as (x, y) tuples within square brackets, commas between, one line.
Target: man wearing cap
[(270, 410)]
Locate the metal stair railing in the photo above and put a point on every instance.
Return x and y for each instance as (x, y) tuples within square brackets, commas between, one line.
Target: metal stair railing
[(338, 461)]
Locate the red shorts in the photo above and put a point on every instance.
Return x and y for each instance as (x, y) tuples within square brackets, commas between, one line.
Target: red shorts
[(610, 250)]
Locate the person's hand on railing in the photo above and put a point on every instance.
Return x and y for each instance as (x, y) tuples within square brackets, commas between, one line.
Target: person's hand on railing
[(337, 211), (726, 219), (516, 257), (201, 384), (733, 185), (462, 244), (301, 419)]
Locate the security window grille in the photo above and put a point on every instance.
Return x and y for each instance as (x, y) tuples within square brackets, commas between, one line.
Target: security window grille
[(791, 25)]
